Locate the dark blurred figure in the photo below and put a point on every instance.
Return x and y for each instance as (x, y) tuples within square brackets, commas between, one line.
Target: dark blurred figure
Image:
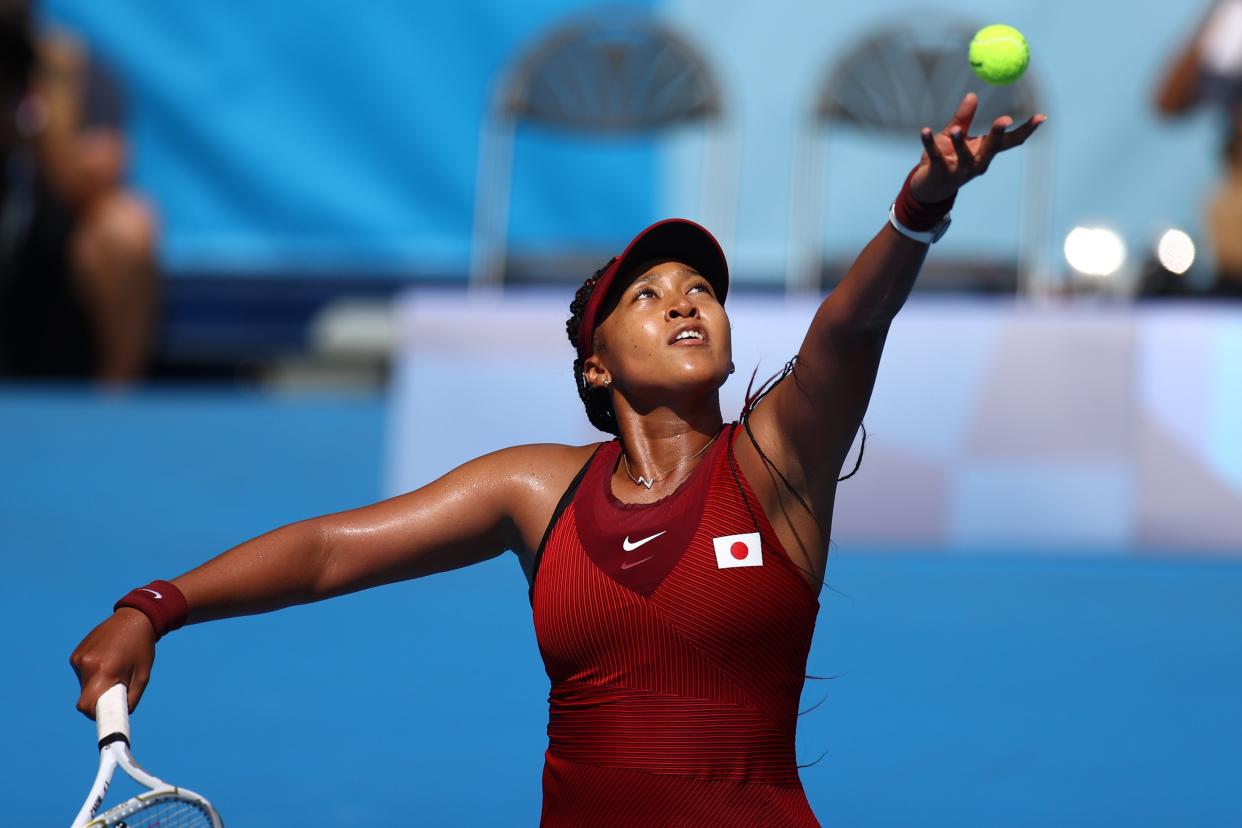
[(78, 284), (1208, 72)]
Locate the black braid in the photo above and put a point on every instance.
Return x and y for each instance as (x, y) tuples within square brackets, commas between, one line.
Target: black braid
[(598, 401), (744, 419), (752, 401)]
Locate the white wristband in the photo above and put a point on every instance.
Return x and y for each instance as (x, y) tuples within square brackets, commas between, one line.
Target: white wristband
[(926, 237)]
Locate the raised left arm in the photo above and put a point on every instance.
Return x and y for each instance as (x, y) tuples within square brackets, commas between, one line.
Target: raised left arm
[(815, 416)]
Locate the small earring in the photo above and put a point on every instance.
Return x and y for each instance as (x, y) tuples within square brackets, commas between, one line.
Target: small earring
[(607, 383)]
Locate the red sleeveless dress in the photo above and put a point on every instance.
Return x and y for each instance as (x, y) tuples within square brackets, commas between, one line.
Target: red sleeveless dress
[(675, 635)]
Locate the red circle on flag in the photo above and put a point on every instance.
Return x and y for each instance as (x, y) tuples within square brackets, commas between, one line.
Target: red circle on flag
[(739, 550)]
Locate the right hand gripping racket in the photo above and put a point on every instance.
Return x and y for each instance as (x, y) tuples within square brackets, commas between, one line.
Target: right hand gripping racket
[(163, 805)]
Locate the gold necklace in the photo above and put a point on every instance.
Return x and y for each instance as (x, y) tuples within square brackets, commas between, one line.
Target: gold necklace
[(642, 481)]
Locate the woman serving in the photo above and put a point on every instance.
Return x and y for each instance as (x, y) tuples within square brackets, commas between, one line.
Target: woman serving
[(674, 570)]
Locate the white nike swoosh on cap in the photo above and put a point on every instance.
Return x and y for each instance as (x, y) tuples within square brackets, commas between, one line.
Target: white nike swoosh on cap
[(630, 547), (153, 592)]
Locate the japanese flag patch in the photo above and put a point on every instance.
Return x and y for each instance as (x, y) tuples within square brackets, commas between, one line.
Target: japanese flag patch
[(738, 550)]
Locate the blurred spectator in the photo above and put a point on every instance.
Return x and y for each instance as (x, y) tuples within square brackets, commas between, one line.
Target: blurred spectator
[(1208, 72), (78, 284)]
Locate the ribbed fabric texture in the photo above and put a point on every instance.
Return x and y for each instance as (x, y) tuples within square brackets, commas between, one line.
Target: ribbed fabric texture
[(678, 706)]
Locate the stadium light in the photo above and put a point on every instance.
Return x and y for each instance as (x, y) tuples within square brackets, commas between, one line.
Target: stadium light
[(1176, 251), (1095, 251)]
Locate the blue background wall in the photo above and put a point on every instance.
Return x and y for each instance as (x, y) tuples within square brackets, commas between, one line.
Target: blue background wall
[(324, 135)]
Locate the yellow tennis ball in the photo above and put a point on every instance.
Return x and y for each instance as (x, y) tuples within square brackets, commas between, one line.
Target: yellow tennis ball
[(999, 54)]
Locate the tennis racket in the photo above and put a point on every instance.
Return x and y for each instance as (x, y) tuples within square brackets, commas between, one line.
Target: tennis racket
[(163, 805)]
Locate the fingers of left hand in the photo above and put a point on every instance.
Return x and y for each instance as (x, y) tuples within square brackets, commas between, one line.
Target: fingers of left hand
[(935, 157), (965, 158), (1019, 135), (994, 140), (966, 111)]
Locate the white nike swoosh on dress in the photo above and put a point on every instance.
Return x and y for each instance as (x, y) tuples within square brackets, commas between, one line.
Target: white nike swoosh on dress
[(630, 547), (629, 564), (153, 592)]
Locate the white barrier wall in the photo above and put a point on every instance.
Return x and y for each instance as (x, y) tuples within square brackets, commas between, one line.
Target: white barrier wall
[(993, 426)]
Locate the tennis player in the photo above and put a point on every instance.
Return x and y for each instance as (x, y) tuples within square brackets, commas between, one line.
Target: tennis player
[(674, 571)]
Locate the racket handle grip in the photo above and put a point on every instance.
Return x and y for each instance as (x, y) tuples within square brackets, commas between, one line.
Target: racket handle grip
[(112, 715)]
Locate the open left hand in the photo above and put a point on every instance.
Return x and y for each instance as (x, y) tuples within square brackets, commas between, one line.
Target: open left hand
[(951, 157)]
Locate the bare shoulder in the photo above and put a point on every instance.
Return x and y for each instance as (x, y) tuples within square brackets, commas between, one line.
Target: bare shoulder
[(538, 475), (534, 463)]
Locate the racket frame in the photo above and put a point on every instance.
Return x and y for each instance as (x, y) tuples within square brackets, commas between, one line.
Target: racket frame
[(112, 725)]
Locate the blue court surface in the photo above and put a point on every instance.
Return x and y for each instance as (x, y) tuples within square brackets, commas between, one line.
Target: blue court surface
[(974, 689)]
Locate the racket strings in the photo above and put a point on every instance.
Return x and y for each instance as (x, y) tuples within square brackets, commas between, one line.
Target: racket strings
[(165, 813)]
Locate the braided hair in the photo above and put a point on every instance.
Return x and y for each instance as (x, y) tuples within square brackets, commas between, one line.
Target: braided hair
[(598, 401)]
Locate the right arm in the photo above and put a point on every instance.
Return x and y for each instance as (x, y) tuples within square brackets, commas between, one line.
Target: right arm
[(465, 517)]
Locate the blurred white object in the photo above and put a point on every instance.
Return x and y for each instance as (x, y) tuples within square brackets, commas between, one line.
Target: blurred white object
[(1120, 421), (1221, 42), (356, 328), (1176, 251), (1095, 251), (351, 341)]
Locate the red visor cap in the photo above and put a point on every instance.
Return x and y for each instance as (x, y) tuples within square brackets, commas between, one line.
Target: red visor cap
[(679, 239)]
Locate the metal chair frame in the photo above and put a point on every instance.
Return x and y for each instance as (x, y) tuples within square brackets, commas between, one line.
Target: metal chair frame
[(617, 73)]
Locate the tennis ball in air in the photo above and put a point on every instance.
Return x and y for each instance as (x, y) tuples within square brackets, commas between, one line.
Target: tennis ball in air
[(999, 54)]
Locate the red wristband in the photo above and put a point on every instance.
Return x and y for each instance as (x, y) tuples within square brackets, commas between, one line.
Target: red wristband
[(916, 215), (161, 602)]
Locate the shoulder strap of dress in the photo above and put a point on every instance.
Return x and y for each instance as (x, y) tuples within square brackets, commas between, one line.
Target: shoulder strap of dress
[(561, 506)]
